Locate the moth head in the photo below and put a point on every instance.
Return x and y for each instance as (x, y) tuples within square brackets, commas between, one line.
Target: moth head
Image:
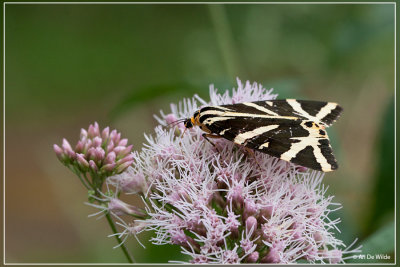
[(193, 121), (188, 123)]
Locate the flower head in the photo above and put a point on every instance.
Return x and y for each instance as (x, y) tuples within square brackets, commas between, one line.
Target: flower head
[(97, 151), (225, 206)]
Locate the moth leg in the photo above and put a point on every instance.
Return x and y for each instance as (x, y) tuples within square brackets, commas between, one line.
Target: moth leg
[(251, 152), (214, 136)]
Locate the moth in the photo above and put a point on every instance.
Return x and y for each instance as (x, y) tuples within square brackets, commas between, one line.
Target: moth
[(289, 129)]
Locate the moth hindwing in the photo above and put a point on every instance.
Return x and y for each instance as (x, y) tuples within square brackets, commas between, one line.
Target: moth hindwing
[(292, 130)]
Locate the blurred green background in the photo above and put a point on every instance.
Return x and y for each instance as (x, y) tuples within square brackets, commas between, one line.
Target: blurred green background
[(70, 65)]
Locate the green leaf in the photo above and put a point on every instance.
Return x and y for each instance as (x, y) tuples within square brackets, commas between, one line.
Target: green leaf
[(382, 207), (381, 242)]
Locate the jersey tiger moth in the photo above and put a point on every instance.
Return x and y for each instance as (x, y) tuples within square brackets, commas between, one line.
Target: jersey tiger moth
[(289, 129)]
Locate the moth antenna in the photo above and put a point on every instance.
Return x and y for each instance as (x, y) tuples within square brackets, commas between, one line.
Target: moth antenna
[(173, 123)]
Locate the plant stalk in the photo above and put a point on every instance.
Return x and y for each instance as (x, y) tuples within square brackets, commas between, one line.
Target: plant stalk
[(128, 256), (225, 40)]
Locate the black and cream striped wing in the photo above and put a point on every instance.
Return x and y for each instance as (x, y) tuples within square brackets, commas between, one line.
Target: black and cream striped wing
[(325, 113), (288, 135)]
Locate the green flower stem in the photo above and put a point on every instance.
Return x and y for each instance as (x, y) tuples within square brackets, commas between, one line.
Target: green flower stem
[(86, 179), (85, 182), (128, 256), (225, 39), (96, 185)]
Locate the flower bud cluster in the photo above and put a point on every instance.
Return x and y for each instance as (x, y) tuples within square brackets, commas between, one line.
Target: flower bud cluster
[(101, 152)]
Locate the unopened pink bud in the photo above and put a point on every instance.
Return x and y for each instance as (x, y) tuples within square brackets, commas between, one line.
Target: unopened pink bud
[(123, 142), (93, 165), (68, 149), (117, 138), (110, 146), (71, 154), (88, 144), (123, 151), (127, 158), (79, 147), (129, 148), (57, 149), (108, 167), (65, 145), (93, 130), (91, 153), (251, 224), (59, 152), (84, 134), (100, 154), (118, 149), (110, 158), (113, 136), (123, 166), (253, 257), (105, 133), (82, 161), (96, 128), (97, 141)]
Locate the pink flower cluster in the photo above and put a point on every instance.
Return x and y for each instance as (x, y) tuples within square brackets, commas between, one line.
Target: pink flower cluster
[(226, 206), (101, 152)]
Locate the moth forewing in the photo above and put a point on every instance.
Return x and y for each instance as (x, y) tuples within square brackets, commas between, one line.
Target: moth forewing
[(292, 130)]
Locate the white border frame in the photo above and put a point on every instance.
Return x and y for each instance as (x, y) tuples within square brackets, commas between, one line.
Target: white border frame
[(184, 3)]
